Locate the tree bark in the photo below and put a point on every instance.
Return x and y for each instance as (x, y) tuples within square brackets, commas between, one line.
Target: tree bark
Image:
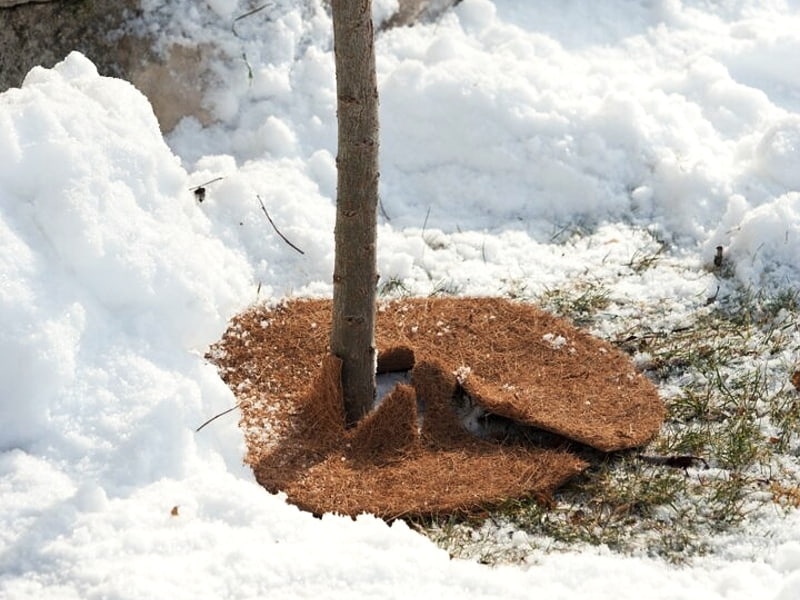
[(355, 272)]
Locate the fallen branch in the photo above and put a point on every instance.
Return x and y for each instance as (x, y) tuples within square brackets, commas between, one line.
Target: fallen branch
[(271, 222)]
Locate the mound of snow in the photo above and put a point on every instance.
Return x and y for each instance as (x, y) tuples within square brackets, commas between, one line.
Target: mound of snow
[(114, 276)]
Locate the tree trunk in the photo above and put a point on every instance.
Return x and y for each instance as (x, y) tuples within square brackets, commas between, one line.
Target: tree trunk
[(355, 272)]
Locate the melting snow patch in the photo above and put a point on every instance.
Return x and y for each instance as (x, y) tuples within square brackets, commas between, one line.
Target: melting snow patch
[(556, 342)]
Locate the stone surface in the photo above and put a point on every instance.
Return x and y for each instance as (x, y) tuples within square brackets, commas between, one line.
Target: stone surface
[(43, 33), (9, 3), (175, 83)]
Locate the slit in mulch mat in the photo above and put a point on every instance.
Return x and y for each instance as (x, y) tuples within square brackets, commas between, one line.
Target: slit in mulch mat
[(502, 397)]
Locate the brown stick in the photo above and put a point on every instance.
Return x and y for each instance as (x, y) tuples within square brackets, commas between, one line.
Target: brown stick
[(283, 237), (223, 413)]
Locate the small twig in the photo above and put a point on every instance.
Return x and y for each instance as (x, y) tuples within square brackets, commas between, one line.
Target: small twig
[(382, 209), (223, 413), (250, 76), (271, 222), (247, 14), (200, 190), (712, 299), (676, 462), (197, 187), (650, 335)]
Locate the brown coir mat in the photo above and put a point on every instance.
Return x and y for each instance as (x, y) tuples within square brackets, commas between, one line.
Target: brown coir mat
[(411, 455)]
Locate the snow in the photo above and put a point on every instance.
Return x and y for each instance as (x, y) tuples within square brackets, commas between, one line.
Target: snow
[(523, 147)]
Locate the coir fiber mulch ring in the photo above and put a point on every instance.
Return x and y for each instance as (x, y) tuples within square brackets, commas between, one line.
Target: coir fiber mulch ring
[(412, 454)]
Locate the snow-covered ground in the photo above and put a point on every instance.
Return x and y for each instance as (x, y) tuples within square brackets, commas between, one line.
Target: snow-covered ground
[(525, 145)]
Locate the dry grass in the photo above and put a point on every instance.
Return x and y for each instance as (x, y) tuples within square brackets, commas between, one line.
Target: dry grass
[(729, 376), (728, 379)]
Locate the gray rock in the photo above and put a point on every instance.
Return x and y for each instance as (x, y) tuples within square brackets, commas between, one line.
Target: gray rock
[(175, 78), (42, 33), (8, 3)]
